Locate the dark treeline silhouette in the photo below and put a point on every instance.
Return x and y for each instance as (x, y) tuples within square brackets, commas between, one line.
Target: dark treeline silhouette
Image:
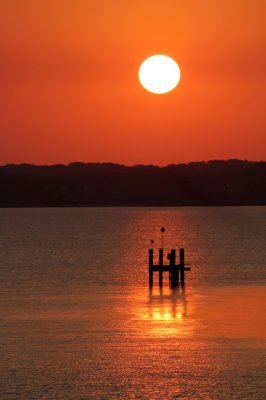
[(232, 182)]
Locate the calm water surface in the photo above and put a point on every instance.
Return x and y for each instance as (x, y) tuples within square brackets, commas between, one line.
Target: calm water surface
[(78, 320)]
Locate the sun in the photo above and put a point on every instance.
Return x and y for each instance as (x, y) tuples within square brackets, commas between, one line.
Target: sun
[(159, 74)]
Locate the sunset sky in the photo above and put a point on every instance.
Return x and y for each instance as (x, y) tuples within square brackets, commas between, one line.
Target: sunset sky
[(70, 89)]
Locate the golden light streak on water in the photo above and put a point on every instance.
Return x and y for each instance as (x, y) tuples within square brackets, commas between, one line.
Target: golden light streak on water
[(78, 320)]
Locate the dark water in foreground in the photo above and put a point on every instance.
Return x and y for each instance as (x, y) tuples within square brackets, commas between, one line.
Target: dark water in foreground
[(78, 320)]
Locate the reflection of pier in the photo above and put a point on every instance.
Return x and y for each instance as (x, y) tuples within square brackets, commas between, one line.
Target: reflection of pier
[(167, 306), (176, 271)]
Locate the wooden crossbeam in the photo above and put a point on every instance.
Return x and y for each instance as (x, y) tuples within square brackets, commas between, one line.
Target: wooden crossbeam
[(167, 268)]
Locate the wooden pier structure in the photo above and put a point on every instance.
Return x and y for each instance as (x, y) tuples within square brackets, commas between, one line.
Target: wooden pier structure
[(176, 271)]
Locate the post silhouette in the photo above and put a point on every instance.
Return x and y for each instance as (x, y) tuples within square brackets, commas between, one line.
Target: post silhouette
[(160, 267), (182, 266), (176, 271), (150, 267)]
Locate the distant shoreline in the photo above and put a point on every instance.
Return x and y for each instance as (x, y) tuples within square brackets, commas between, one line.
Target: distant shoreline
[(137, 206), (215, 183)]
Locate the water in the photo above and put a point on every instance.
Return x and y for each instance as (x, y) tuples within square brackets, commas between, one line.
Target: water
[(78, 320)]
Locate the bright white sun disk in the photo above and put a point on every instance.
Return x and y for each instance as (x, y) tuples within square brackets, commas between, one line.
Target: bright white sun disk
[(159, 74)]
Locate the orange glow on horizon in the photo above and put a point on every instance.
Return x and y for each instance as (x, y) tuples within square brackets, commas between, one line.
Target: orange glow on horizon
[(70, 89)]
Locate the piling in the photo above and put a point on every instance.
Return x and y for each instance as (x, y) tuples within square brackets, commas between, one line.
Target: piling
[(151, 267), (182, 266), (176, 271), (160, 267)]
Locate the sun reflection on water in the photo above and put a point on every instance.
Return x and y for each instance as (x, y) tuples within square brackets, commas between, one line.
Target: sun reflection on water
[(166, 312)]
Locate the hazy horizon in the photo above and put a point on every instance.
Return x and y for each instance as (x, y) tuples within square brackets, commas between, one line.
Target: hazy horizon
[(67, 163), (70, 87)]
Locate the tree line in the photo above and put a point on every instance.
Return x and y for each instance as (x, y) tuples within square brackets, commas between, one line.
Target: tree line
[(212, 183)]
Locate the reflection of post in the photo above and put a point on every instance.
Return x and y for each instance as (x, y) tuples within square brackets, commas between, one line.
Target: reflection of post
[(182, 266), (161, 302), (160, 267), (151, 267)]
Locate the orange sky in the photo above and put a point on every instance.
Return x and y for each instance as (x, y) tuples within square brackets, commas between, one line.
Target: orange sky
[(70, 90)]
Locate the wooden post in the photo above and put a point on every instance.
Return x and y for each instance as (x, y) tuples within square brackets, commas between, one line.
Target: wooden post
[(182, 266), (151, 267), (169, 257), (174, 269), (160, 267)]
